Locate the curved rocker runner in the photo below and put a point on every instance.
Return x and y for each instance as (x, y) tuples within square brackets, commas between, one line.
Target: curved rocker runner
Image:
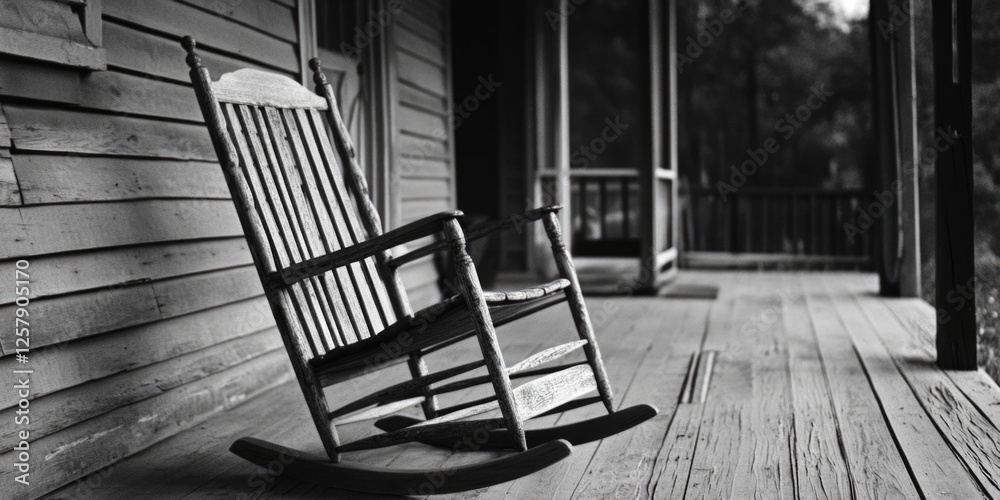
[(342, 311)]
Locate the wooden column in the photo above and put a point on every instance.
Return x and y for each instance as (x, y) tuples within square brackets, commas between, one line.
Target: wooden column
[(562, 153), (909, 154), (956, 329), (658, 180), (895, 129)]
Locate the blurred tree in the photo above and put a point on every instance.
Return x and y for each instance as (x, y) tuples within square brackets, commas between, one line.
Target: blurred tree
[(738, 84)]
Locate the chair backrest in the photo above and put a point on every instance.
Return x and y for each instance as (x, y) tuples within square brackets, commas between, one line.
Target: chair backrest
[(291, 170)]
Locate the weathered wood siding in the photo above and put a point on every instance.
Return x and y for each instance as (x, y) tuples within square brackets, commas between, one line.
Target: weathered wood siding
[(147, 316), (424, 171)]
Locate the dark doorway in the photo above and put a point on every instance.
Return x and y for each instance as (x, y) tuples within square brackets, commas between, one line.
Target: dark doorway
[(490, 88)]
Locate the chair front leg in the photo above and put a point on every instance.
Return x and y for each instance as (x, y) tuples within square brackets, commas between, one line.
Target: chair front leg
[(468, 280), (574, 295)]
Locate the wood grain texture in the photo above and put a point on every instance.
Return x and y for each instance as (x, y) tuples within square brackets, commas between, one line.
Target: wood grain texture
[(135, 50), (136, 95), (100, 442), (213, 31), (66, 408), (122, 266), (821, 467), (52, 49), (46, 178), (927, 453), (111, 353), (971, 434), (877, 470), (58, 130), (56, 228), (10, 190), (20, 77), (620, 467), (269, 17), (546, 356), (263, 88)]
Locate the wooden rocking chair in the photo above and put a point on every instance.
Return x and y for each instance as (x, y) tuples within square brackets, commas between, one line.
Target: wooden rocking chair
[(342, 311)]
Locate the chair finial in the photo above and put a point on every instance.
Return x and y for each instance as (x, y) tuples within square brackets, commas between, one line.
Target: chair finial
[(317, 67), (193, 59)]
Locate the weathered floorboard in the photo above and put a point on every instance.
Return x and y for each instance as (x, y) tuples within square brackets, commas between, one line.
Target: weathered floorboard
[(818, 391)]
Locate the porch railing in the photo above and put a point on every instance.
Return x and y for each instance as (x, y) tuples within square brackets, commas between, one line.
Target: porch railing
[(777, 226), (605, 213)]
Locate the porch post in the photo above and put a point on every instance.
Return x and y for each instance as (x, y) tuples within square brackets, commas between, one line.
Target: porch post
[(663, 101), (956, 327), (563, 187), (894, 105)]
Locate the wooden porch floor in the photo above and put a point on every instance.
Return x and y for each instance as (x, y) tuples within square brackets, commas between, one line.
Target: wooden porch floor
[(817, 389)]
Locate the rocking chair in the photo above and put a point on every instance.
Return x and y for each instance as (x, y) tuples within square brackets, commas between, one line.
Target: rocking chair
[(342, 311)]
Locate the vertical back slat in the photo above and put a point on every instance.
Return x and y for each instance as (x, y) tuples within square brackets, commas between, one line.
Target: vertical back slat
[(295, 240), (344, 214), (336, 173), (290, 188), (330, 219), (331, 283), (265, 205)]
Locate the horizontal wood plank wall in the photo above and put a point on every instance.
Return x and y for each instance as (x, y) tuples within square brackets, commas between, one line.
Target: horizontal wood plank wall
[(148, 316), (424, 169)]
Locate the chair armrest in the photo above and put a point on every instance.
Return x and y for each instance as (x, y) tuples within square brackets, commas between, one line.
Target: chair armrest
[(513, 221), (403, 234)]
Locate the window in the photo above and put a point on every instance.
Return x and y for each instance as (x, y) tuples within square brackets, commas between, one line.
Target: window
[(65, 32), (335, 26)]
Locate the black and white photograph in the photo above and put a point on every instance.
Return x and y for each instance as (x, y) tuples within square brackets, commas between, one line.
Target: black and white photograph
[(499, 250)]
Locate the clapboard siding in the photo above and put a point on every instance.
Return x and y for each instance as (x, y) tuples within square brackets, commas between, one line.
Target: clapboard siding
[(89, 446), (174, 19), (271, 18), (149, 316), (46, 179), (422, 75), (114, 267), (82, 315), (138, 95), (46, 229), (424, 167), (37, 128), (65, 366), (100, 396), (131, 49)]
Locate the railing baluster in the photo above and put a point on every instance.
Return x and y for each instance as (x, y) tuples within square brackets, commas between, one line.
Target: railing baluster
[(625, 207)]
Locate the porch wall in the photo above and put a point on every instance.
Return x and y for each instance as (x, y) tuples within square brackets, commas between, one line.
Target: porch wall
[(147, 313), (424, 167)]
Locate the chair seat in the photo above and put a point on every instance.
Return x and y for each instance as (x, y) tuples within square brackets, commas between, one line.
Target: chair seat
[(433, 325)]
